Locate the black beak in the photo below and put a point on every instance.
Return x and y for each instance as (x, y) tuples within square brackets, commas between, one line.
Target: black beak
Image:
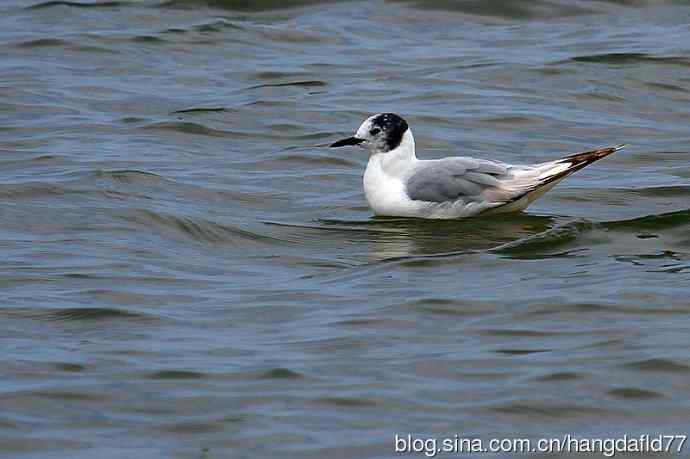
[(348, 141)]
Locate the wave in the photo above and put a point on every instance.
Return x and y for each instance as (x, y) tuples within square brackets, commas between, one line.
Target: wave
[(567, 234), (242, 5), (203, 110), (193, 228), (535, 245), (505, 9), (187, 127), (662, 365), (530, 9), (86, 186), (306, 83), (88, 313), (176, 374), (658, 221), (629, 58), (105, 4)]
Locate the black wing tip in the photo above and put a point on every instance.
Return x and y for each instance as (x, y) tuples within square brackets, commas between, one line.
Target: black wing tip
[(581, 160), (592, 155)]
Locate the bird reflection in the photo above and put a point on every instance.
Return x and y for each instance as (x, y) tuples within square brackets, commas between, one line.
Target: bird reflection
[(386, 237)]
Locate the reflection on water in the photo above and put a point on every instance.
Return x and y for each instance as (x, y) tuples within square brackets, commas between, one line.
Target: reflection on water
[(388, 237), (187, 267)]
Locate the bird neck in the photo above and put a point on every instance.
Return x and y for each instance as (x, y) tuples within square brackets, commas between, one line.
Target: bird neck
[(398, 160)]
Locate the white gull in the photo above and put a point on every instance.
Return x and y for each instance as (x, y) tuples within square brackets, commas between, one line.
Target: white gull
[(396, 183)]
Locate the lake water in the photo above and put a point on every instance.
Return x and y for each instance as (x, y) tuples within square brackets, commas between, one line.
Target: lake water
[(186, 273)]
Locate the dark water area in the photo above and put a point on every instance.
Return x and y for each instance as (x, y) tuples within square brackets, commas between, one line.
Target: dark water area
[(187, 273)]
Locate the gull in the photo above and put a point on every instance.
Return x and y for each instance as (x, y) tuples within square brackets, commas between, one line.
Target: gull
[(398, 184)]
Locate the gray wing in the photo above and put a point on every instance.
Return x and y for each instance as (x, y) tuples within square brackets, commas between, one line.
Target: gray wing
[(451, 179)]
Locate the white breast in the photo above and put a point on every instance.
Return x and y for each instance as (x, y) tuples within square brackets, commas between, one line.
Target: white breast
[(385, 193)]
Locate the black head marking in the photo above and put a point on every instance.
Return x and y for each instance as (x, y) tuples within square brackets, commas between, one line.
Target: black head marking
[(392, 128)]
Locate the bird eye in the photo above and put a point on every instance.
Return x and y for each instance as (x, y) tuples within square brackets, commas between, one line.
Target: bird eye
[(375, 131)]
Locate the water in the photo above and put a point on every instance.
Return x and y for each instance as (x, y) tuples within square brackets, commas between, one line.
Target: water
[(186, 274)]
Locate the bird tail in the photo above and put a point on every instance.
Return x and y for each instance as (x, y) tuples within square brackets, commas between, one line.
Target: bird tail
[(577, 161), (530, 183)]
